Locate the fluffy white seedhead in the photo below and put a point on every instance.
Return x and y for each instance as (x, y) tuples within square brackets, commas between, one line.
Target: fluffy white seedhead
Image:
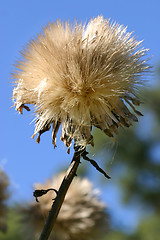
[(79, 77), (82, 216)]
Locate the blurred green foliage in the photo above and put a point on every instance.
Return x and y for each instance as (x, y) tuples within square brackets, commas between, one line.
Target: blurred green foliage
[(137, 154), (14, 228)]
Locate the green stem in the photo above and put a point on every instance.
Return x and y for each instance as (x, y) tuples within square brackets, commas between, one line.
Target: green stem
[(70, 174)]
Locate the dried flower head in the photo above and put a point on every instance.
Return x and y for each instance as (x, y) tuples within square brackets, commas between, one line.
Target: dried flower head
[(3, 198), (82, 216), (79, 77)]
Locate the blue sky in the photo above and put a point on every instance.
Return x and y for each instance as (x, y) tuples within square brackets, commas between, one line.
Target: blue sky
[(23, 160)]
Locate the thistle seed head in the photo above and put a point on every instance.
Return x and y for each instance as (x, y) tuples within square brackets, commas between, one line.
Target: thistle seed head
[(82, 216), (79, 77)]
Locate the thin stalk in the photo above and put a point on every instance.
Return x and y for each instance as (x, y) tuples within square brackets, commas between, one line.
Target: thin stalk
[(70, 174)]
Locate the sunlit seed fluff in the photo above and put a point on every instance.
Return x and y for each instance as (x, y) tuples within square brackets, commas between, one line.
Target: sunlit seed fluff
[(82, 216), (4, 182), (79, 77)]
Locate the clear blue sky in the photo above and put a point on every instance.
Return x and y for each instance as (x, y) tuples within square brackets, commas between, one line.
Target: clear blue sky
[(23, 160)]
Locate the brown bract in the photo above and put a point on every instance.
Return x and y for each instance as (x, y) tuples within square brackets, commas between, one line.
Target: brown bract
[(79, 77)]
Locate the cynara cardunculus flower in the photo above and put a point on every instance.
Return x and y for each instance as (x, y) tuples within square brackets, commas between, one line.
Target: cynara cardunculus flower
[(82, 216), (79, 77)]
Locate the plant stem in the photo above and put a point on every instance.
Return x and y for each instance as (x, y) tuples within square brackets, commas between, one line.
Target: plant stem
[(70, 174)]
